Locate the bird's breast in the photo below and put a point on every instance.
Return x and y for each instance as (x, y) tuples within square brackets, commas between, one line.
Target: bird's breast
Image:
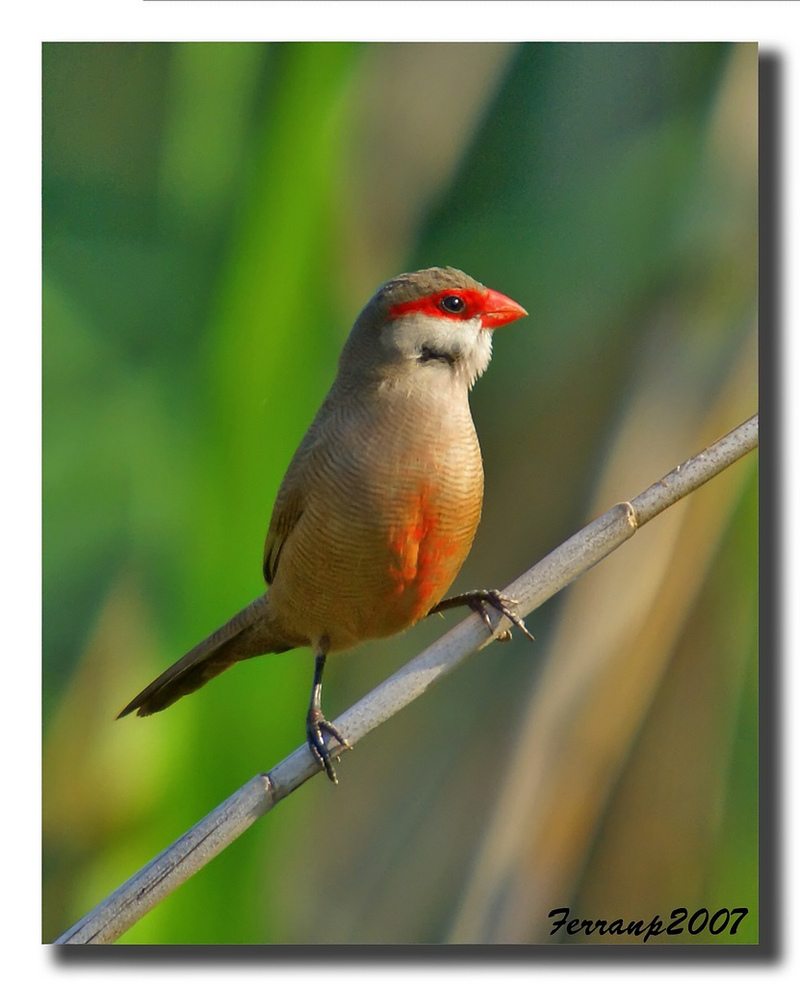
[(427, 545), (391, 511)]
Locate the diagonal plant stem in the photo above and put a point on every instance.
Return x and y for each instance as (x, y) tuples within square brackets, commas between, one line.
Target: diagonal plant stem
[(155, 881)]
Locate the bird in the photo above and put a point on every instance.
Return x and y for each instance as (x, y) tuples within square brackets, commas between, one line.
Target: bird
[(380, 503)]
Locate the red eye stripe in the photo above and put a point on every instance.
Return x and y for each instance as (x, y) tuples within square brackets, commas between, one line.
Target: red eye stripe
[(474, 304)]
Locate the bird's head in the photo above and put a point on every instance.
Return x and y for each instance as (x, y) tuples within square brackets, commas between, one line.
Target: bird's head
[(437, 321)]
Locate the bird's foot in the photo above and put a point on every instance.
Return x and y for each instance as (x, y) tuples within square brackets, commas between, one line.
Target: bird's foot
[(479, 599), (316, 725)]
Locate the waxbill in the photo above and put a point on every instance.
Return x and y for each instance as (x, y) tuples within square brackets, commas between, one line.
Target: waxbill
[(379, 506)]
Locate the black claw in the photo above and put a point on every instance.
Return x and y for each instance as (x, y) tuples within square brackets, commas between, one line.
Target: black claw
[(316, 724), (479, 599), (481, 610), (506, 606)]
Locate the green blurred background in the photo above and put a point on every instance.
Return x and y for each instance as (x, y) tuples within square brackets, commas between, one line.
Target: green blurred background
[(215, 215)]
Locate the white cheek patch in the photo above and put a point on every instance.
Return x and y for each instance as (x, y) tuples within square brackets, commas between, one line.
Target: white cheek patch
[(475, 355), (468, 345)]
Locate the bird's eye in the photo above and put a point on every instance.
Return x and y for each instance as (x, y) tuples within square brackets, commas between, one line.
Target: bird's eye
[(453, 304)]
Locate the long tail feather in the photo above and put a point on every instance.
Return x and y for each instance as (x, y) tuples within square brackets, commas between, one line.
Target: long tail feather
[(244, 635)]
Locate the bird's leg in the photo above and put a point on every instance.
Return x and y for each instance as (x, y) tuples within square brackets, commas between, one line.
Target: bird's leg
[(316, 724), (478, 600)]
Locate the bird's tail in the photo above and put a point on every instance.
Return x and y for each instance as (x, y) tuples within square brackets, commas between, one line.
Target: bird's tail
[(245, 635)]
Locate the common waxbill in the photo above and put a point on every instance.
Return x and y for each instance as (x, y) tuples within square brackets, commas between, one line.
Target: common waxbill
[(379, 506)]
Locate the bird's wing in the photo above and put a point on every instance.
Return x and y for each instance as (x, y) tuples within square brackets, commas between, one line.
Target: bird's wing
[(288, 510), (292, 496), (285, 514)]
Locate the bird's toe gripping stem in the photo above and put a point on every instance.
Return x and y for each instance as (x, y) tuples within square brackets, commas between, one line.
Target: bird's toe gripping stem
[(479, 599), (316, 725)]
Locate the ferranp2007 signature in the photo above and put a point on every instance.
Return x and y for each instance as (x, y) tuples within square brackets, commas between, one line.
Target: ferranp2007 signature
[(721, 921)]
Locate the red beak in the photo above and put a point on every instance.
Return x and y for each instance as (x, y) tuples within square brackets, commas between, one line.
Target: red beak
[(499, 310)]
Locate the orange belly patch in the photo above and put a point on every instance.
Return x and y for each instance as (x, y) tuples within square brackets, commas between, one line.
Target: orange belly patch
[(423, 559)]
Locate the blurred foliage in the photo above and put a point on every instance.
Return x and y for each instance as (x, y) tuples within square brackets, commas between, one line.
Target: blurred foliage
[(214, 217)]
